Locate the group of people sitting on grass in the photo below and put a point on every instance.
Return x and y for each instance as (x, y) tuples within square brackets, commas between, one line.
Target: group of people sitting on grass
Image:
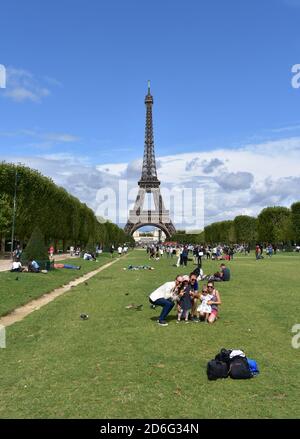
[(191, 303), (34, 267)]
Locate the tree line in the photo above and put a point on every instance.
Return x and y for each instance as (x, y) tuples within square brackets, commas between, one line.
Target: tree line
[(276, 225), (59, 215)]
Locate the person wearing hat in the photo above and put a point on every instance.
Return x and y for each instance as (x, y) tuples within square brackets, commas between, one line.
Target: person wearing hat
[(166, 296)]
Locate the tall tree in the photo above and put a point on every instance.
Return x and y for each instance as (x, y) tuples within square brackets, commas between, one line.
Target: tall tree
[(5, 214), (273, 224), (295, 218), (36, 248), (245, 229)]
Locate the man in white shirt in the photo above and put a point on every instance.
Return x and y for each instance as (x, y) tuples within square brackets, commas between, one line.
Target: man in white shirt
[(120, 249), (165, 296)]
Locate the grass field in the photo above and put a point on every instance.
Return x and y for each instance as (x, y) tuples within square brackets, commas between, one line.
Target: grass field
[(19, 288), (120, 364)]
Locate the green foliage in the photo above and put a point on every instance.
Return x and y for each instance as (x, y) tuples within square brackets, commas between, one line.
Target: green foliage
[(274, 224), (5, 214), (295, 220), (59, 215), (245, 229), (222, 231), (187, 238), (91, 246), (36, 248)]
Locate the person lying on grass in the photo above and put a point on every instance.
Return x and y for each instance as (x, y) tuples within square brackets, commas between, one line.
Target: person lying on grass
[(69, 266)]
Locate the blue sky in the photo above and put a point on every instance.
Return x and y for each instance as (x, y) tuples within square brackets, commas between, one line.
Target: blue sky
[(77, 75)]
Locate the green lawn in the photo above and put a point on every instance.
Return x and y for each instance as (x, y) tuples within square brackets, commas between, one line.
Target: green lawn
[(16, 289), (120, 364)]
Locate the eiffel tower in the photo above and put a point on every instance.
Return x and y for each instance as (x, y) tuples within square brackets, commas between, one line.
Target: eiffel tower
[(149, 183)]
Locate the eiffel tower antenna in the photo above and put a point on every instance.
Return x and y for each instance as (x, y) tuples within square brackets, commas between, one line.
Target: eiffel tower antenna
[(149, 183)]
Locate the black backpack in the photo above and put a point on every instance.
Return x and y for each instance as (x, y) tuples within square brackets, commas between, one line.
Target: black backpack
[(239, 368), (224, 355), (216, 369)]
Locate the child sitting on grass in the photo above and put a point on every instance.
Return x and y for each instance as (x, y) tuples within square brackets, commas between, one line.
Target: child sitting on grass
[(204, 309)]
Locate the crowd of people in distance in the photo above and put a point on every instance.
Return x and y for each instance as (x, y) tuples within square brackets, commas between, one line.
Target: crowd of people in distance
[(121, 250), (218, 252), (181, 252), (270, 250)]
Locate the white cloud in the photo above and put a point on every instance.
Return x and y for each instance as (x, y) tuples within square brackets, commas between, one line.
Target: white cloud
[(235, 180), (250, 178), (39, 140), (207, 166), (22, 86)]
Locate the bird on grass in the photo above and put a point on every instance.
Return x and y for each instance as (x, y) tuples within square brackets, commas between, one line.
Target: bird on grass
[(133, 306), (84, 316)]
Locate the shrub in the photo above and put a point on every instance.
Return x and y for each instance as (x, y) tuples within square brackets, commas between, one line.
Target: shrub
[(36, 248)]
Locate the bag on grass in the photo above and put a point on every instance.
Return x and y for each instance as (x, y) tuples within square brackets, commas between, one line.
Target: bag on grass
[(253, 366), (224, 355), (237, 353), (239, 368), (216, 369)]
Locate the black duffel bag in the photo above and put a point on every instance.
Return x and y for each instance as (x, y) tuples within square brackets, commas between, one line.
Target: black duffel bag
[(216, 369)]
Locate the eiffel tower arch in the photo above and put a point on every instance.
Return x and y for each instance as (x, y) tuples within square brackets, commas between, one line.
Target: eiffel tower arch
[(149, 184)]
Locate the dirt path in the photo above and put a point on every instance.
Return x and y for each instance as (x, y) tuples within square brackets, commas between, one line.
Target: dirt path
[(20, 313)]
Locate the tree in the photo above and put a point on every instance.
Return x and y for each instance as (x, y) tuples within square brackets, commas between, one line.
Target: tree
[(5, 214), (295, 220), (36, 248), (187, 238), (59, 215), (274, 224), (245, 229)]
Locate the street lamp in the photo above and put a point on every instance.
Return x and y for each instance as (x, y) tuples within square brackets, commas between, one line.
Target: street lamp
[(14, 215)]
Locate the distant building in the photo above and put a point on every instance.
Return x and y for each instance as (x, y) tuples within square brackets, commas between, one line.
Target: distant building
[(148, 237)]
